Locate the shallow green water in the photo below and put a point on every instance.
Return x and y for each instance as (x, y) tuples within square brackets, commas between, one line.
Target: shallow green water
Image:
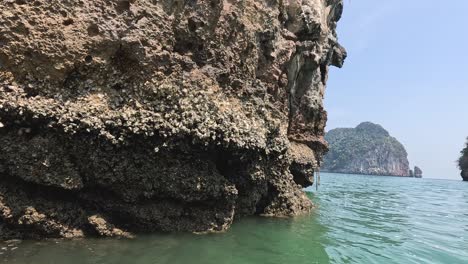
[(360, 219)]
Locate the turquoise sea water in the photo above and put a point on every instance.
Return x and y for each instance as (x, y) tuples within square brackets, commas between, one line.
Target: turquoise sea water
[(359, 219)]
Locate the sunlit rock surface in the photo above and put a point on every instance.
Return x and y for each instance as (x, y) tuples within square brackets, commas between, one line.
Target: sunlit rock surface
[(120, 117)]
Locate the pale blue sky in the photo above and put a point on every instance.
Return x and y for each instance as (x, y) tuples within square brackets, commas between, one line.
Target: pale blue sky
[(407, 69)]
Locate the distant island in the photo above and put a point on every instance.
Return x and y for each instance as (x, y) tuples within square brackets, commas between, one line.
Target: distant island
[(367, 149), (463, 162)]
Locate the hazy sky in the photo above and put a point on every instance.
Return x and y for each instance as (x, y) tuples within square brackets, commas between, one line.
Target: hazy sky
[(407, 69)]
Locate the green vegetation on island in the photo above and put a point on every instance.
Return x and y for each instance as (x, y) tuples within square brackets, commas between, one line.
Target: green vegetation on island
[(366, 149), (463, 162)]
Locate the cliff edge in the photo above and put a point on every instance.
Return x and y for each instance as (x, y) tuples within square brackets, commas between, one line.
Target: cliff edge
[(119, 117), (366, 149)]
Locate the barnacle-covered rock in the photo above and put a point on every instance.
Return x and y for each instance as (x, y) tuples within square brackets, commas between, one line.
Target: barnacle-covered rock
[(132, 116)]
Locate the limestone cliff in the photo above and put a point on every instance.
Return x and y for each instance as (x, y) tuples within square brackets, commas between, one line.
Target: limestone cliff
[(366, 149), (463, 163), (120, 117)]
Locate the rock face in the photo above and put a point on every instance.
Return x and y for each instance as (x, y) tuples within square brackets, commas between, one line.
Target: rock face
[(463, 163), (417, 172), (366, 149), (119, 117)]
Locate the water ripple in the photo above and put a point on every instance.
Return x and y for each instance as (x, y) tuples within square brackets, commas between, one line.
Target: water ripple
[(394, 220), (360, 219)]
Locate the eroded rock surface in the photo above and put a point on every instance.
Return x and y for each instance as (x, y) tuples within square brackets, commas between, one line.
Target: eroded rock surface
[(120, 117)]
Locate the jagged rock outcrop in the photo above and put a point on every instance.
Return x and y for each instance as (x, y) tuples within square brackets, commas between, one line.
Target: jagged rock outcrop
[(463, 163), (366, 149), (119, 117), (418, 173)]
